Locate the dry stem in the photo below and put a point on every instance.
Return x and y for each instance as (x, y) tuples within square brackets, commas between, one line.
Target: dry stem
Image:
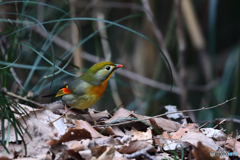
[(192, 110)]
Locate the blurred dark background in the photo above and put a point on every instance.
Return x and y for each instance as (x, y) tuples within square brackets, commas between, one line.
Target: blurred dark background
[(199, 40)]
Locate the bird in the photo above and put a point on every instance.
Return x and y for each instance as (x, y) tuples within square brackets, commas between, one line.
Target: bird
[(86, 90)]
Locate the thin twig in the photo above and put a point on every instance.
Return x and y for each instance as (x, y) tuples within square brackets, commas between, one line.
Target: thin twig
[(62, 115), (203, 125), (200, 109), (219, 123), (24, 99), (192, 110), (220, 119)]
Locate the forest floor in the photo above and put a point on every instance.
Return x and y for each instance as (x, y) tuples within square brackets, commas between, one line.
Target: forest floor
[(121, 136)]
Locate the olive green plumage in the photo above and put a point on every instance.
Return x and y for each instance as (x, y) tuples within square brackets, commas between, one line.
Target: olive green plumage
[(87, 89)]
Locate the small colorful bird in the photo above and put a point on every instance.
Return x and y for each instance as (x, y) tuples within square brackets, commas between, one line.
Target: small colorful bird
[(87, 89)]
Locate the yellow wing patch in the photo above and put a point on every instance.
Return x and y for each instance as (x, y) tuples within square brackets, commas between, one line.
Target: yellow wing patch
[(63, 91)]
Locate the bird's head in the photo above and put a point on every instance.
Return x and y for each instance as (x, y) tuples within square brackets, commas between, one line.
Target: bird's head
[(100, 72)]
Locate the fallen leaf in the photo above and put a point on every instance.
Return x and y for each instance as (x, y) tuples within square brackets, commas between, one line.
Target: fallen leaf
[(161, 139), (80, 124), (98, 150), (105, 141), (107, 154), (139, 135), (184, 130), (233, 145), (76, 146), (86, 154), (40, 116), (70, 154), (71, 134), (117, 131), (193, 138), (119, 114), (162, 124), (204, 152), (4, 158), (216, 134), (172, 145), (134, 146), (41, 130), (105, 131)]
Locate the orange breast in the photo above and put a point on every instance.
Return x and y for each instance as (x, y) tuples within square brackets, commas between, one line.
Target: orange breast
[(98, 90)]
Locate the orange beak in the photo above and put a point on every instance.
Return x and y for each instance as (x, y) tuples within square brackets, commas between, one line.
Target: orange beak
[(118, 66)]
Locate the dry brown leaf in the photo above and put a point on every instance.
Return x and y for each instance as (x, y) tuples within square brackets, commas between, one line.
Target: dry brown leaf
[(107, 154), (4, 158), (71, 154), (105, 141), (119, 158), (98, 150), (162, 124), (171, 145), (121, 113), (193, 138), (134, 146), (216, 134), (140, 117), (40, 116), (161, 139), (233, 145), (41, 130), (76, 146), (138, 135), (28, 109), (80, 124), (97, 116), (71, 134), (105, 131), (203, 152), (185, 130), (86, 154), (117, 131)]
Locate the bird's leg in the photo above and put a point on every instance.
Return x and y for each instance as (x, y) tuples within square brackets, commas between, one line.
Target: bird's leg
[(62, 115), (86, 110)]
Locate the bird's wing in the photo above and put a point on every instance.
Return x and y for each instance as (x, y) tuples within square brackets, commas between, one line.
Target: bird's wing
[(63, 91)]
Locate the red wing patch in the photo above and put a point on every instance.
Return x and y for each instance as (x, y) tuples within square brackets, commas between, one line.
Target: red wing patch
[(63, 91)]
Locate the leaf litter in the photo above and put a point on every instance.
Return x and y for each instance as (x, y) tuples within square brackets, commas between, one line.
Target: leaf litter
[(117, 137)]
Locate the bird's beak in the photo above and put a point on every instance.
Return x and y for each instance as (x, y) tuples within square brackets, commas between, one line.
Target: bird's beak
[(118, 66)]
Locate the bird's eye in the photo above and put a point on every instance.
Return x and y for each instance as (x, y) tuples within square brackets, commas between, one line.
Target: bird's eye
[(108, 68)]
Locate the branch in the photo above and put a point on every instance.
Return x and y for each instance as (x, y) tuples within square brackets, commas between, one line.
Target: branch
[(22, 98), (192, 110)]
